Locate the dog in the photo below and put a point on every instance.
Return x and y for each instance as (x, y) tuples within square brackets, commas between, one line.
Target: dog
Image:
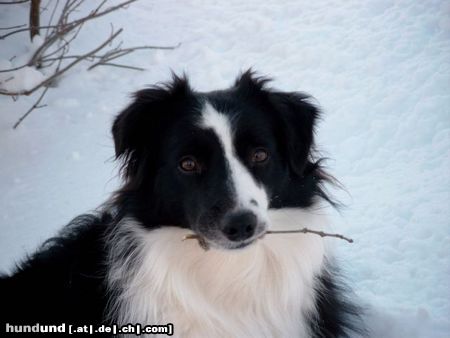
[(228, 166)]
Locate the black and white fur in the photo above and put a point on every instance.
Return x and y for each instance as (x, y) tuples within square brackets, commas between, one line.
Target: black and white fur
[(129, 264)]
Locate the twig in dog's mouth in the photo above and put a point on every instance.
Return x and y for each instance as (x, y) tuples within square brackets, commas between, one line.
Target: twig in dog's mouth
[(306, 230), (202, 242)]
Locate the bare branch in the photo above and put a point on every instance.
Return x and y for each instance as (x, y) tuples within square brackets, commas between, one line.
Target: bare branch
[(34, 106), (13, 69), (154, 47), (26, 29), (71, 25), (117, 65), (63, 27), (104, 59), (13, 27), (61, 30), (50, 20), (56, 58), (35, 15), (64, 69), (306, 230), (13, 2), (117, 53), (66, 43), (204, 244)]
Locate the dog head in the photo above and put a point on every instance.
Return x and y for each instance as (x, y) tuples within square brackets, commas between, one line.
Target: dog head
[(216, 162)]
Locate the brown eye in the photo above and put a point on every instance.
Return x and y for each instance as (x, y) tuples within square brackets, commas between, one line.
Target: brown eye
[(259, 155), (189, 164)]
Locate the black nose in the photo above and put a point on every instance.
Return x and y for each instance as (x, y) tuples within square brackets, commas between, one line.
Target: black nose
[(239, 225)]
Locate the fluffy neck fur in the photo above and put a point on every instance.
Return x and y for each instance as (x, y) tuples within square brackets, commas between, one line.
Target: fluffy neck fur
[(266, 290)]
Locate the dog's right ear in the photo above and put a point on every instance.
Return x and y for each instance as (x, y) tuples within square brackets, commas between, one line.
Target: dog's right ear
[(137, 128), (299, 117)]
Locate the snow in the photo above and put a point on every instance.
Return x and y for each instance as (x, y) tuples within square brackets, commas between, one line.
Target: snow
[(380, 70), (21, 79)]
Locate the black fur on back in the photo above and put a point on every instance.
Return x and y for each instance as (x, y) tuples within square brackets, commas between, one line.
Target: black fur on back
[(63, 281), (337, 315)]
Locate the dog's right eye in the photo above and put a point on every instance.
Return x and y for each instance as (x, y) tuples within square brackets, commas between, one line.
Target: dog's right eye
[(189, 164), (259, 156)]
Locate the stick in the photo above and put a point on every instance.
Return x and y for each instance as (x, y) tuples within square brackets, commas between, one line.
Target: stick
[(13, 2), (204, 245), (306, 230), (34, 106), (201, 241), (35, 16), (59, 72), (92, 15)]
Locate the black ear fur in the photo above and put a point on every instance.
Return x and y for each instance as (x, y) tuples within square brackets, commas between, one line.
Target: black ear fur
[(299, 118), (249, 83), (138, 126)]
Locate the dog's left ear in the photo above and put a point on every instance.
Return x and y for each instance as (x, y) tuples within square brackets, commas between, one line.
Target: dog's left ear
[(299, 118), (137, 130)]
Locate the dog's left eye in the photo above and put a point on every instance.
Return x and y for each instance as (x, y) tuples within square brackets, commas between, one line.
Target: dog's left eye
[(259, 155), (189, 164)]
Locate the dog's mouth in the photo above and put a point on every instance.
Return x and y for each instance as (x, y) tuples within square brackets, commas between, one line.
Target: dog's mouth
[(239, 245)]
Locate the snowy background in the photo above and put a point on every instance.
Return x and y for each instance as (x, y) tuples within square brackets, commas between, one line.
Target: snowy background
[(380, 70)]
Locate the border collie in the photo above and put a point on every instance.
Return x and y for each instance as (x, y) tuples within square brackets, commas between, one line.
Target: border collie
[(227, 166)]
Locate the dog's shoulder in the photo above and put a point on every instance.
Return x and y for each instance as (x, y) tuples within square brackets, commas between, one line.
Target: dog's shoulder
[(63, 279)]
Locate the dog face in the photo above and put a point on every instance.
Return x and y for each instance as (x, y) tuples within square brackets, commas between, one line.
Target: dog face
[(216, 162)]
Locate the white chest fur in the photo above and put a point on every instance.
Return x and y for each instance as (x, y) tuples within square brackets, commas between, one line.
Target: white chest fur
[(265, 290)]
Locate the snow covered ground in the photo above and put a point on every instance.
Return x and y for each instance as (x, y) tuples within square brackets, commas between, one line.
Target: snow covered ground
[(380, 70)]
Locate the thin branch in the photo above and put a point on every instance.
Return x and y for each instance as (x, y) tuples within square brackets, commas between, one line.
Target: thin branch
[(60, 32), (116, 53), (34, 106), (74, 5), (92, 15), (63, 50), (66, 43), (59, 72), (63, 27), (13, 2), (126, 51), (95, 14), (26, 29), (117, 65), (152, 47), (99, 6), (13, 69), (50, 20), (110, 55), (56, 58), (12, 27), (306, 230), (202, 242)]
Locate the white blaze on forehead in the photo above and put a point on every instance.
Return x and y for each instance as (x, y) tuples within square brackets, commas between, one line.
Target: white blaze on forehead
[(247, 190)]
